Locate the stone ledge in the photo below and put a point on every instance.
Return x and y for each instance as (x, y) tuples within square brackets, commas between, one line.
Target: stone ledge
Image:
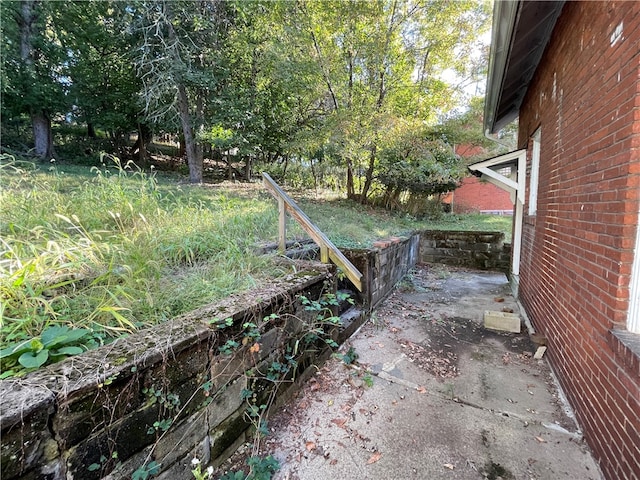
[(626, 346)]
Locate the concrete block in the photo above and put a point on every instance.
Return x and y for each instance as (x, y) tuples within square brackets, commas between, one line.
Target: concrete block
[(540, 353), (504, 321)]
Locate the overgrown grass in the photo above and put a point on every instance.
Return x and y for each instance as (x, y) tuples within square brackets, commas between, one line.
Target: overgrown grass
[(114, 249), (351, 225)]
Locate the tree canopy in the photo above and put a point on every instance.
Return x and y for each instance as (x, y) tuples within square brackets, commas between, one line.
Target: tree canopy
[(354, 88)]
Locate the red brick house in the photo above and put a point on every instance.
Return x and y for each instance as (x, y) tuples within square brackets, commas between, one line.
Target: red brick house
[(570, 73), (473, 195)]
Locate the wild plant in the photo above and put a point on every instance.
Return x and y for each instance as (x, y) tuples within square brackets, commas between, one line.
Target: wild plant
[(111, 250)]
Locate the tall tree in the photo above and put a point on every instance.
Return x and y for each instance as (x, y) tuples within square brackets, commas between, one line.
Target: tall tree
[(178, 62), (381, 60), (103, 82), (32, 68)]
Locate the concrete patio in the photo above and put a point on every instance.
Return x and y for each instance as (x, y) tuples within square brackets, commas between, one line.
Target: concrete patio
[(432, 394)]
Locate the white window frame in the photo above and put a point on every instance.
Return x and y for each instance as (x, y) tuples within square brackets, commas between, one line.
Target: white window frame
[(533, 175)]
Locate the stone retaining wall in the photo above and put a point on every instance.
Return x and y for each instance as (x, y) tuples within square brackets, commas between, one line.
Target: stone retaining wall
[(481, 250), (384, 266), (161, 395), (167, 394)]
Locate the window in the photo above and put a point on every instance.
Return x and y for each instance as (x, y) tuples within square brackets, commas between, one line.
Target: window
[(533, 175), (505, 171)]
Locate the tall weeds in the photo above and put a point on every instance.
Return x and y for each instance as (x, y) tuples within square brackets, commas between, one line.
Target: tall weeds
[(114, 251)]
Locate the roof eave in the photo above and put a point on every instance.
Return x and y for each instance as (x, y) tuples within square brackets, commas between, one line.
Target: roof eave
[(521, 32)]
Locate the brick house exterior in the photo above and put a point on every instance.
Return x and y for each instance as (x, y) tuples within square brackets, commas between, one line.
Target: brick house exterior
[(575, 88), (474, 195)]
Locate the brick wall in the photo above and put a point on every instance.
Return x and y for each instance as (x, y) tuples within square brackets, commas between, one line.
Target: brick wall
[(577, 250), (474, 195)]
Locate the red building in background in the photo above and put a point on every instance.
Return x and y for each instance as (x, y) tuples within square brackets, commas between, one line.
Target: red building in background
[(475, 195)]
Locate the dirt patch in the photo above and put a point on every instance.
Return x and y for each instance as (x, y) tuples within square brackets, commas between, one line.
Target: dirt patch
[(440, 363)]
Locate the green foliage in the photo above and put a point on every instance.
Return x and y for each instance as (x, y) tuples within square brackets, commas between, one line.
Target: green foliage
[(197, 472), (160, 425), (149, 252), (103, 462), (31, 79), (218, 136), (417, 165), (146, 471), (54, 344), (260, 468), (350, 357), (228, 347), (95, 42)]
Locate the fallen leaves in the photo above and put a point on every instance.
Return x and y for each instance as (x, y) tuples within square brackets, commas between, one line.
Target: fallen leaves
[(310, 446), (440, 363), (421, 390), (339, 422), (374, 458)]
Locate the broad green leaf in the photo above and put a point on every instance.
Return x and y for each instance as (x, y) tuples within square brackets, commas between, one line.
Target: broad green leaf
[(57, 335), (54, 334), (68, 351), (29, 360), (14, 350)]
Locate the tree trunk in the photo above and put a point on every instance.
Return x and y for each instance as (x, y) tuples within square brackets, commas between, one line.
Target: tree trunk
[(247, 169), (351, 193), (194, 163), (145, 135), (91, 131), (40, 121), (284, 169), (369, 175), (42, 135), (25, 22)]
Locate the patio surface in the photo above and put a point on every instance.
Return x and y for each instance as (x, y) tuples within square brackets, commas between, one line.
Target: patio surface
[(432, 395)]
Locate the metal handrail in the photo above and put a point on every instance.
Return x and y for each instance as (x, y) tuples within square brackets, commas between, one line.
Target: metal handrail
[(328, 251)]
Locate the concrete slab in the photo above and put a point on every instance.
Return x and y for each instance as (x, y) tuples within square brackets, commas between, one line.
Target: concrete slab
[(432, 395)]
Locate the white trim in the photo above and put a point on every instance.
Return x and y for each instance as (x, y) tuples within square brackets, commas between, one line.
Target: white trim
[(535, 169), (514, 187), (633, 317)]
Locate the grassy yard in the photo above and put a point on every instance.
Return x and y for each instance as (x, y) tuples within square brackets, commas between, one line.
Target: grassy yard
[(112, 249)]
